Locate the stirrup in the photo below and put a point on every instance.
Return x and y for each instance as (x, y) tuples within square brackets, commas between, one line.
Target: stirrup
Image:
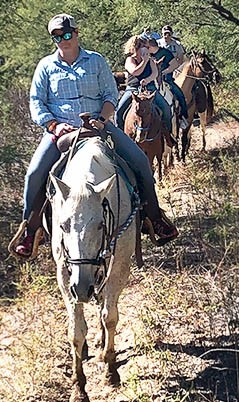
[(151, 233), (15, 241)]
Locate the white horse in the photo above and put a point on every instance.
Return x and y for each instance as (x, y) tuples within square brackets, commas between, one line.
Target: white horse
[(93, 239)]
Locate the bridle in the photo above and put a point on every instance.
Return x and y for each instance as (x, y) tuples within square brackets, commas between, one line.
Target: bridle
[(146, 130), (196, 64), (111, 233)]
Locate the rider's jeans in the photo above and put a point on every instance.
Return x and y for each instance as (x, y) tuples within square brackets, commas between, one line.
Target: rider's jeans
[(123, 105), (139, 163), (166, 110), (43, 159), (179, 95)]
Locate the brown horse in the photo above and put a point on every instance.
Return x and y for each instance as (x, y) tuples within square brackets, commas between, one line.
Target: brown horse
[(193, 80), (143, 123)]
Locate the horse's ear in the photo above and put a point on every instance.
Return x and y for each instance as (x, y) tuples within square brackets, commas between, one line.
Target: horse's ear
[(102, 188), (152, 95), (60, 185), (135, 96), (203, 53), (193, 52)]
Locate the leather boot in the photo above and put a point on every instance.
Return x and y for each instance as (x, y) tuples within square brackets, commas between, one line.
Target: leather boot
[(157, 223)]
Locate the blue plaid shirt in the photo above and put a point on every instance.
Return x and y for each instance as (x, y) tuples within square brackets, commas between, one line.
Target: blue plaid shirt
[(61, 92)]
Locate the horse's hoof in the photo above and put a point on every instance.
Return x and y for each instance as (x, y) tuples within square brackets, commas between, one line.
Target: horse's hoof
[(112, 378), (85, 351), (78, 396)]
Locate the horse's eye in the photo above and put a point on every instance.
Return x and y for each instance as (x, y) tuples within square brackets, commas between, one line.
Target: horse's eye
[(101, 225), (66, 226)]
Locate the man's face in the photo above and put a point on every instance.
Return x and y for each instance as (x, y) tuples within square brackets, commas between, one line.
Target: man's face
[(65, 39), (167, 36)]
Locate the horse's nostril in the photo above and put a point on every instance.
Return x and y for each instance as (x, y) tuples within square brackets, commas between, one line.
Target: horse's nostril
[(73, 292), (90, 291)]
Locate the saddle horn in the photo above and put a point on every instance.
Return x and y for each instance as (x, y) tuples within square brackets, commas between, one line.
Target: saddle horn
[(86, 118)]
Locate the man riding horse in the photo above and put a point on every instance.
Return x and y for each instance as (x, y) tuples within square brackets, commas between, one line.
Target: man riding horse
[(167, 67)]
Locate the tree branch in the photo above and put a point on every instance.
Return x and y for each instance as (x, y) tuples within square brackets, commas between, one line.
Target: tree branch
[(223, 12)]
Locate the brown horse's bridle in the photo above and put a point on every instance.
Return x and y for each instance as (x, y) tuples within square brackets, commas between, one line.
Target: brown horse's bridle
[(146, 130), (196, 64)]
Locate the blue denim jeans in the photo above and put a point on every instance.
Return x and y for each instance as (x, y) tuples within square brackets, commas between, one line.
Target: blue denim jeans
[(179, 95), (123, 105), (47, 154), (139, 163), (125, 102), (43, 159)]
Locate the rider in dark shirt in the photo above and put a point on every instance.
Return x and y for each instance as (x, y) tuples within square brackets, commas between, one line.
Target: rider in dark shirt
[(169, 64)]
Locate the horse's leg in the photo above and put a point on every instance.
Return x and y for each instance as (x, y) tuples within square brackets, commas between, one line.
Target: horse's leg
[(177, 138), (185, 143), (159, 156), (77, 330), (167, 155), (186, 135), (110, 317), (203, 122), (76, 333)]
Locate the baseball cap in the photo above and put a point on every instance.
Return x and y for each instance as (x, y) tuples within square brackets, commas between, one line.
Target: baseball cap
[(62, 21), (167, 28), (151, 35)]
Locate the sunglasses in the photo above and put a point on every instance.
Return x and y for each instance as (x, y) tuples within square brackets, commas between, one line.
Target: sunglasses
[(65, 36)]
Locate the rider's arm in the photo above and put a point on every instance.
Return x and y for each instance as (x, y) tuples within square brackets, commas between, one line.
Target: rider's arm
[(153, 75), (40, 113), (107, 87), (109, 94), (180, 53), (132, 67), (173, 64)]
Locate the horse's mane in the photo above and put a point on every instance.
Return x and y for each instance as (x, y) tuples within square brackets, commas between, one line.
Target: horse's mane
[(185, 66), (92, 161)]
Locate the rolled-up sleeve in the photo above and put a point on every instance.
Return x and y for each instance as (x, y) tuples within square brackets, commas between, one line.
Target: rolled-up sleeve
[(38, 96)]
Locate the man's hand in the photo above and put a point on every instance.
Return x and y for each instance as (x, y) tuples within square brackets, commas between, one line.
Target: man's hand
[(97, 124), (63, 128), (145, 54)]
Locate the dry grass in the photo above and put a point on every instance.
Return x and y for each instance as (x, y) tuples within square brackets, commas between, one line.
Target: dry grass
[(180, 343)]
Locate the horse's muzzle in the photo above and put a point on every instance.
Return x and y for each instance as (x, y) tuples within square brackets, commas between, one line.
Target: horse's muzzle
[(82, 297), (81, 283)]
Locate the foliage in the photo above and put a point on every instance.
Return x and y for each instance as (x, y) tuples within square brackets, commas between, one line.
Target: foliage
[(106, 25)]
